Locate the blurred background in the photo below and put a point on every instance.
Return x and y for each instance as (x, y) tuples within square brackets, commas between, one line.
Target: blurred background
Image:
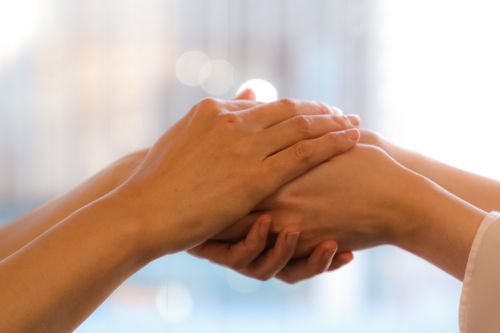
[(84, 82)]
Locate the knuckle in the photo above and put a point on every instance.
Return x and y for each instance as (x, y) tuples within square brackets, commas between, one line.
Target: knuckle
[(209, 102), (303, 151), (345, 121), (323, 108), (341, 121), (304, 125), (208, 106), (290, 104)]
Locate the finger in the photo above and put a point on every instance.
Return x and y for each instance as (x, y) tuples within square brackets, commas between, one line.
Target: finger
[(341, 259), (318, 262), (276, 258), (237, 255), (238, 230), (246, 251), (354, 119), (270, 114), (299, 158), (300, 128), (246, 94), (239, 105)]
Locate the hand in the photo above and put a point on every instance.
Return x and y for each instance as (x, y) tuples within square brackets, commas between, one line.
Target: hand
[(219, 161), (357, 198), (26, 228), (373, 138), (251, 258)]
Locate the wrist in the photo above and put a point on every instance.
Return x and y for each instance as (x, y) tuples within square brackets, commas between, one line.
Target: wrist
[(124, 227), (440, 227)]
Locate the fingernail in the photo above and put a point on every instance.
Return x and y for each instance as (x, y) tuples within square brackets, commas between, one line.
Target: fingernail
[(292, 237), (264, 227), (352, 134), (354, 119)]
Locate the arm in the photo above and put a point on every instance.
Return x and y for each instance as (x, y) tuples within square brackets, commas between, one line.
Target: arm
[(57, 280), (174, 201), (23, 230), (364, 198), (479, 191)]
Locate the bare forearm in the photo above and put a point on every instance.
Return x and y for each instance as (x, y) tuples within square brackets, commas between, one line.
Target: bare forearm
[(55, 282), (479, 191), (445, 226), (23, 230)]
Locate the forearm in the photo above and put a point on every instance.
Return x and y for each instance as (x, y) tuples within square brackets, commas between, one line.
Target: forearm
[(445, 226), (479, 191), (23, 230), (55, 282)]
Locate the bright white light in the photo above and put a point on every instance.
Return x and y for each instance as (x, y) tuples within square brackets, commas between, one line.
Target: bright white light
[(174, 302), (438, 83), (241, 283), (188, 67), (263, 89), (217, 77), (19, 21)]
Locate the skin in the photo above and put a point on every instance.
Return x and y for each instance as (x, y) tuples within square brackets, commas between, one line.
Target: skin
[(239, 154), (375, 201), (24, 229), (480, 191)]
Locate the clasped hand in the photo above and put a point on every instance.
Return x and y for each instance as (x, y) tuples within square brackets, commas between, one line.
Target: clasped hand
[(216, 165)]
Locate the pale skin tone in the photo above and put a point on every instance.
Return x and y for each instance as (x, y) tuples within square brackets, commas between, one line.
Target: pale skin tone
[(379, 200), (480, 191), (239, 154), (386, 196)]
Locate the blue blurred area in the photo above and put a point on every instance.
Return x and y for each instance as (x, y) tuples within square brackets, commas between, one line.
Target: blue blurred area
[(92, 80), (383, 290)]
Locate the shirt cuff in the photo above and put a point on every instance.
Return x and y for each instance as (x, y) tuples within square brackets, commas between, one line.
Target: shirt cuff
[(471, 270)]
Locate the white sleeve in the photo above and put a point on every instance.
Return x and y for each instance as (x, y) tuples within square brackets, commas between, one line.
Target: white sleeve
[(480, 301)]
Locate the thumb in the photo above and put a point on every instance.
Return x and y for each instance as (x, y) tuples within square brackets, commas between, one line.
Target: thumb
[(246, 94)]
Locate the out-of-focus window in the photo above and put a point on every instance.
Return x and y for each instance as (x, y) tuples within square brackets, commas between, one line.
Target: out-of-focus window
[(84, 82)]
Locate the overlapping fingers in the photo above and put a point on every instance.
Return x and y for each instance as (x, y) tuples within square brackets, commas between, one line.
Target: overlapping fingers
[(317, 263), (304, 155), (240, 254), (275, 259), (300, 128)]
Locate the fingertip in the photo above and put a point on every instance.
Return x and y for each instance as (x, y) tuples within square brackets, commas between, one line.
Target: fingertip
[(260, 229), (346, 257), (354, 119), (352, 135), (329, 244), (340, 260)]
